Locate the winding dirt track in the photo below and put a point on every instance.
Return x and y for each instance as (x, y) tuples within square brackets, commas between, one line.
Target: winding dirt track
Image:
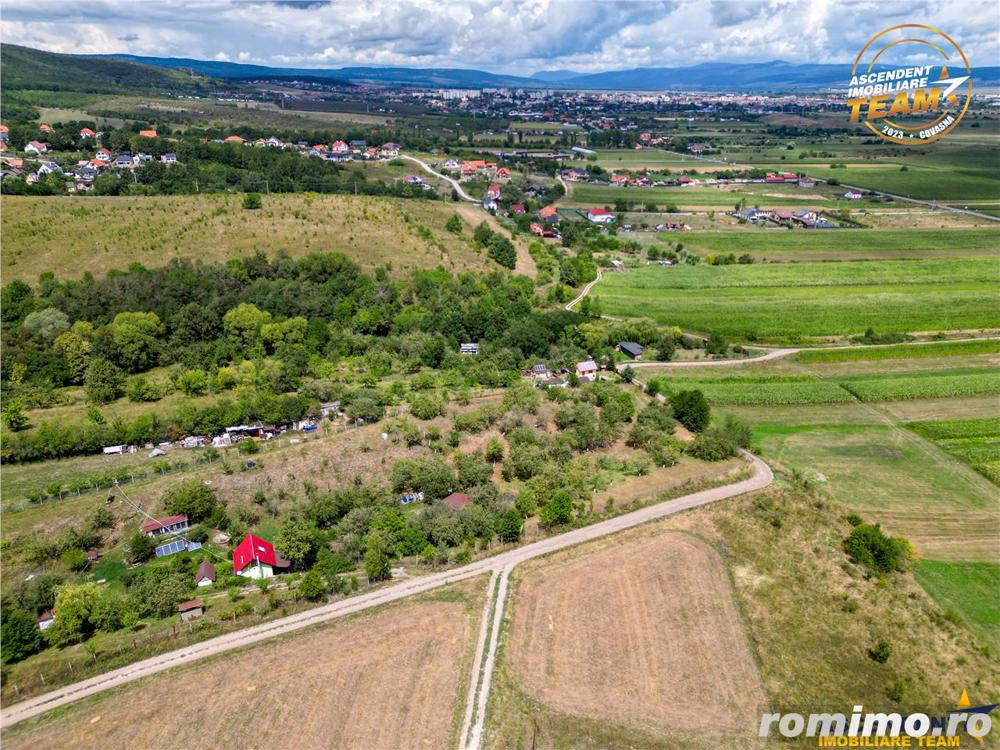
[(454, 183), (503, 562)]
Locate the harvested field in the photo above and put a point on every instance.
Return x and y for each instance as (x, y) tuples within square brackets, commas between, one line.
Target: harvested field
[(387, 680), (644, 635)]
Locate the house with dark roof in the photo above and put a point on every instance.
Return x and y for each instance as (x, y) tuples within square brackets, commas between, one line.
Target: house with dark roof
[(205, 575), (456, 500), (191, 609), (630, 348)]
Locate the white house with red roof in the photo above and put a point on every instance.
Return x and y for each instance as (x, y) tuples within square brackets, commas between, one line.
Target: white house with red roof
[(493, 191), (36, 147), (255, 558), (502, 174), (87, 133), (852, 195), (339, 147), (103, 155), (600, 216), (45, 128)]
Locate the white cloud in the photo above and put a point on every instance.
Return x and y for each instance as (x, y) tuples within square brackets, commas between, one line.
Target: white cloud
[(513, 36)]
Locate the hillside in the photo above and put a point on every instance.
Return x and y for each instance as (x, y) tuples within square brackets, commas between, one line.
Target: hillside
[(26, 68)]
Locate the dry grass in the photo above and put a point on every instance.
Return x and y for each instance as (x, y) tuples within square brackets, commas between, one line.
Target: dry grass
[(644, 634), (74, 235), (392, 678), (946, 535)]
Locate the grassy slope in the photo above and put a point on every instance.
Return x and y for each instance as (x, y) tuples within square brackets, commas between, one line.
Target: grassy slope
[(73, 235)]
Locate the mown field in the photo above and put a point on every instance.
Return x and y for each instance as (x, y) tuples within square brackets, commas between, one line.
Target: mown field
[(901, 351), (71, 236), (789, 301), (389, 677), (944, 184), (721, 198), (854, 244)]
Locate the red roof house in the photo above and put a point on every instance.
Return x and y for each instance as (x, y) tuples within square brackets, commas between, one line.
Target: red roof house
[(147, 133), (87, 133), (165, 525), (456, 500), (234, 139), (255, 558)]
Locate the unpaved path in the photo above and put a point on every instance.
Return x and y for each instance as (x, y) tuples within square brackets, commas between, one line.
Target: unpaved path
[(11, 715), (451, 180)]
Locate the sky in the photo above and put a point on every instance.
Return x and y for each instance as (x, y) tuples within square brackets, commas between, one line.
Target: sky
[(502, 36)]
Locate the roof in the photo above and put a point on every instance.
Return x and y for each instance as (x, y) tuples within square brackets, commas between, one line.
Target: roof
[(587, 366), (147, 133), (49, 614), (250, 549), (162, 523), (599, 212), (547, 211), (456, 500), (539, 368), (187, 606), (205, 570), (630, 347), (234, 139)]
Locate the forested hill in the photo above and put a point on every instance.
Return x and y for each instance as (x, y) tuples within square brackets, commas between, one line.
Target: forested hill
[(26, 68)]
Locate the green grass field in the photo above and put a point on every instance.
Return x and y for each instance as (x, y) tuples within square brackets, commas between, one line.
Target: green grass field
[(939, 183), (974, 441), (759, 391), (855, 244), (720, 198), (930, 384), (789, 301), (901, 351), (967, 590)]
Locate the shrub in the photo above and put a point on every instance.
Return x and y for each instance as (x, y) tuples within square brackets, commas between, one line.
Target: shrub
[(691, 409), (192, 498), (252, 201), (312, 587), (881, 651), (868, 545)]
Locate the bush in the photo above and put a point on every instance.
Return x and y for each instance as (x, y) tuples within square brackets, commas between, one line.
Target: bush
[(881, 651), (312, 587), (193, 499), (74, 559), (868, 545), (691, 409), (252, 201)]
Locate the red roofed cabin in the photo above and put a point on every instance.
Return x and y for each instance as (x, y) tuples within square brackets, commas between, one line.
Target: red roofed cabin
[(456, 500), (87, 133), (168, 525), (256, 558)]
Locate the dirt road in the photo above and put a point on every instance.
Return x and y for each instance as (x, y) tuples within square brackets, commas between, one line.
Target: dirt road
[(454, 183), (505, 561)]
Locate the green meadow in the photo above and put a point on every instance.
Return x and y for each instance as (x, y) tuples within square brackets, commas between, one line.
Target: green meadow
[(786, 302), (967, 590), (974, 441), (853, 244)]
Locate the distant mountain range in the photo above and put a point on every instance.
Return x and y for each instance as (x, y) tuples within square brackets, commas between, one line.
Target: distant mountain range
[(775, 75), (29, 68)]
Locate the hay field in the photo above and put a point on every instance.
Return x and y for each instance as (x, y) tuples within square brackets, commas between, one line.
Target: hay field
[(644, 635), (386, 680), (73, 235)]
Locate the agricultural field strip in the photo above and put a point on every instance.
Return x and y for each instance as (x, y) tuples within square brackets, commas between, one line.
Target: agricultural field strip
[(11, 715)]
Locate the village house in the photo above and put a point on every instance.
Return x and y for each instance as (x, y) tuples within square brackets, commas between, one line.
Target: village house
[(339, 147), (456, 500), (358, 145), (103, 155), (390, 150), (255, 558), (87, 133), (36, 147), (517, 209), (630, 348), (124, 160), (781, 215), (852, 195), (493, 191), (274, 142), (503, 174), (586, 370), (696, 148), (190, 610), (147, 133), (166, 525), (807, 182), (600, 216), (453, 164), (4, 132), (205, 575), (49, 167), (168, 158), (234, 139), (45, 128), (468, 349), (549, 214)]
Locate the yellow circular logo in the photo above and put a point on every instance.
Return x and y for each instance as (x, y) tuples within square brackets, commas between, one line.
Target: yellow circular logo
[(918, 100)]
